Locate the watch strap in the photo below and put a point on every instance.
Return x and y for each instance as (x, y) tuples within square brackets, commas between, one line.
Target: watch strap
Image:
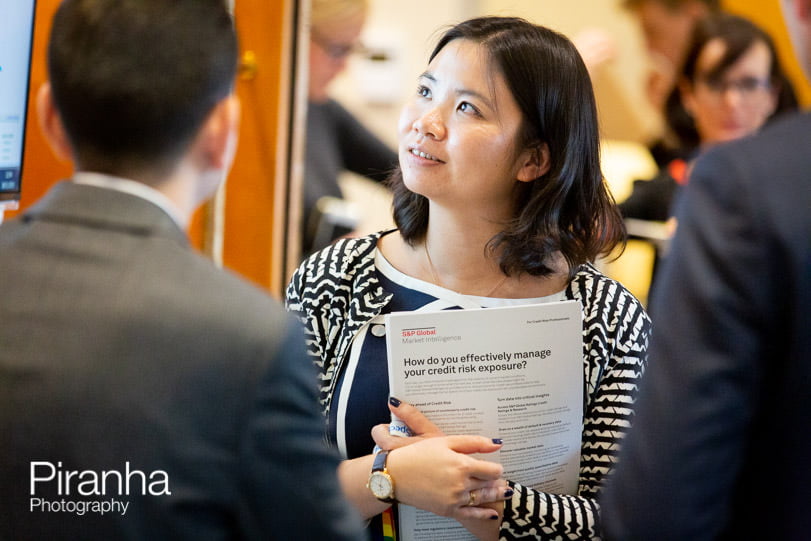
[(379, 463)]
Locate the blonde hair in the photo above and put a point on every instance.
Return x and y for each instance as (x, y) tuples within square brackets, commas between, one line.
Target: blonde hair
[(335, 12)]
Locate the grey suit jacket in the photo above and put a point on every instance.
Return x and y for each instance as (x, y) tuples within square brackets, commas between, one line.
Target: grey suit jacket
[(146, 394), (721, 446)]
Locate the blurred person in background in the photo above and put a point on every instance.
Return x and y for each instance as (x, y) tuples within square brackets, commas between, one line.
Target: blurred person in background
[(720, 444), (336, 141), (730, 84), (666, 28)]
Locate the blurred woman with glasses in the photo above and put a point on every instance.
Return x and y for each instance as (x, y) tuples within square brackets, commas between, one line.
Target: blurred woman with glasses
[(336, 140), (731, 84)]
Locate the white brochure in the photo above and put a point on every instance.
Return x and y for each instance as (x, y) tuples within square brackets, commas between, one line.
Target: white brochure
[(514, 373)]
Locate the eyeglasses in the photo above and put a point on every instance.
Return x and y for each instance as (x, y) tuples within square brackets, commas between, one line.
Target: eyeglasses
[(336, 51), (748, 87)]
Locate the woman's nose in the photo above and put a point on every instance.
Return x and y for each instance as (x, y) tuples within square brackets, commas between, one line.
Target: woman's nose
[(430, 124), (732, 96)]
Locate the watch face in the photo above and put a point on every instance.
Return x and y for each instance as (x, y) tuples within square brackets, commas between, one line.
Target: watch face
[(380, 485)]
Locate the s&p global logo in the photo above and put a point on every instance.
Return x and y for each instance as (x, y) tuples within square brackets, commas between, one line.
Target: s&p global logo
[(89, 491), (421, 331), (420, 335)]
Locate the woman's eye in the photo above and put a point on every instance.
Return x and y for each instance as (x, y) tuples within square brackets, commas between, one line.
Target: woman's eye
[(466, 107), (423, 91)]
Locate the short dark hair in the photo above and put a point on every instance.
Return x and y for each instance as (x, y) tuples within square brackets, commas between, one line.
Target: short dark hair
[(133, 80), (739, 35), (568, 209)]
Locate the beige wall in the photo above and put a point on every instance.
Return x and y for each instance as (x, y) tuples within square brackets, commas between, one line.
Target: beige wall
[(619, 83)]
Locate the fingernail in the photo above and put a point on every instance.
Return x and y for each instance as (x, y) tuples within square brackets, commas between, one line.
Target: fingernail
[(394, 401), (498, 441), (508, 493)]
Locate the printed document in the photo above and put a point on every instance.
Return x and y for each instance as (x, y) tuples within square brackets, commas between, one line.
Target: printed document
[(514, 373)]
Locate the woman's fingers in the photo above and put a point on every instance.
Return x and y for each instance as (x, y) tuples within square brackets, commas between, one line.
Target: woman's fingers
[(413, 418), (483, 522), (385, 440), (483, 512), (488, 494), (481, 509), (479, 469), (468, 444)]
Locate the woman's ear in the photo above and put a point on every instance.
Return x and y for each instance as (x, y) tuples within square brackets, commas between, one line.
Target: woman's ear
[(51, 124), (535, 162)]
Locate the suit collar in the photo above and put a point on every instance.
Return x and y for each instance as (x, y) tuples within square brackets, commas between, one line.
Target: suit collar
[(132, 187), (102, 208)]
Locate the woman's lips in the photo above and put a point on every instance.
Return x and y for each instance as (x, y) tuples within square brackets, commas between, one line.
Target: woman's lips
[(421, 154)]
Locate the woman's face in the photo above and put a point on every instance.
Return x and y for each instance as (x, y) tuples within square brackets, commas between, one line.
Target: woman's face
[(458, 133), (330, 48), (736, 104)]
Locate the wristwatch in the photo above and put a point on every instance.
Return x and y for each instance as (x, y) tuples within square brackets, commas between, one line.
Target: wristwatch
[(380, 482)]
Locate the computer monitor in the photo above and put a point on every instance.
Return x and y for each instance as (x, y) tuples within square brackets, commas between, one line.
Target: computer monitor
[(16, 37)]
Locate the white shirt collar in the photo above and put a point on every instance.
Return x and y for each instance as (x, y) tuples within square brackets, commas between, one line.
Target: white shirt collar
[(132, 187)]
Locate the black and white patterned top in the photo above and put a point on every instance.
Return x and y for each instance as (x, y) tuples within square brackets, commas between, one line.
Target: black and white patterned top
[(337, 292)]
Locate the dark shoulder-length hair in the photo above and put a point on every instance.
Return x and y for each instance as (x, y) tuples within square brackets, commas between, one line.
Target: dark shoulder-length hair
[(569, 209), (738, 35)]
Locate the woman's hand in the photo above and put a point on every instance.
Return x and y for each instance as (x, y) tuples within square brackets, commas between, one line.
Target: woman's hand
[(438, 475), (420, 427), (485, 529), (445, 480)]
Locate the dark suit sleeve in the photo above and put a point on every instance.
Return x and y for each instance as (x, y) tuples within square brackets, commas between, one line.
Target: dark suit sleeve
[(289, 471), (684, 452)]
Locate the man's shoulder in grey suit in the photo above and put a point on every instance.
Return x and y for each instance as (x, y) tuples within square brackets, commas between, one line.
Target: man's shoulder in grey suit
[(189, 294), (85, 258)]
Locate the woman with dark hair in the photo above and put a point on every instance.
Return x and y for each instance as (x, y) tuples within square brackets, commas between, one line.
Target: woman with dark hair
[(728, 52), (730, 85), (499, 200)]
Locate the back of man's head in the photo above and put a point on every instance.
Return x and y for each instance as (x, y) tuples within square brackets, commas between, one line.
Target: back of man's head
[(133, 80)]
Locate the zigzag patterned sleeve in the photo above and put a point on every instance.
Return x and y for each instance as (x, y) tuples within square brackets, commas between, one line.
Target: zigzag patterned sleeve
[(616, 330), (321, 293), (298, 300)]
